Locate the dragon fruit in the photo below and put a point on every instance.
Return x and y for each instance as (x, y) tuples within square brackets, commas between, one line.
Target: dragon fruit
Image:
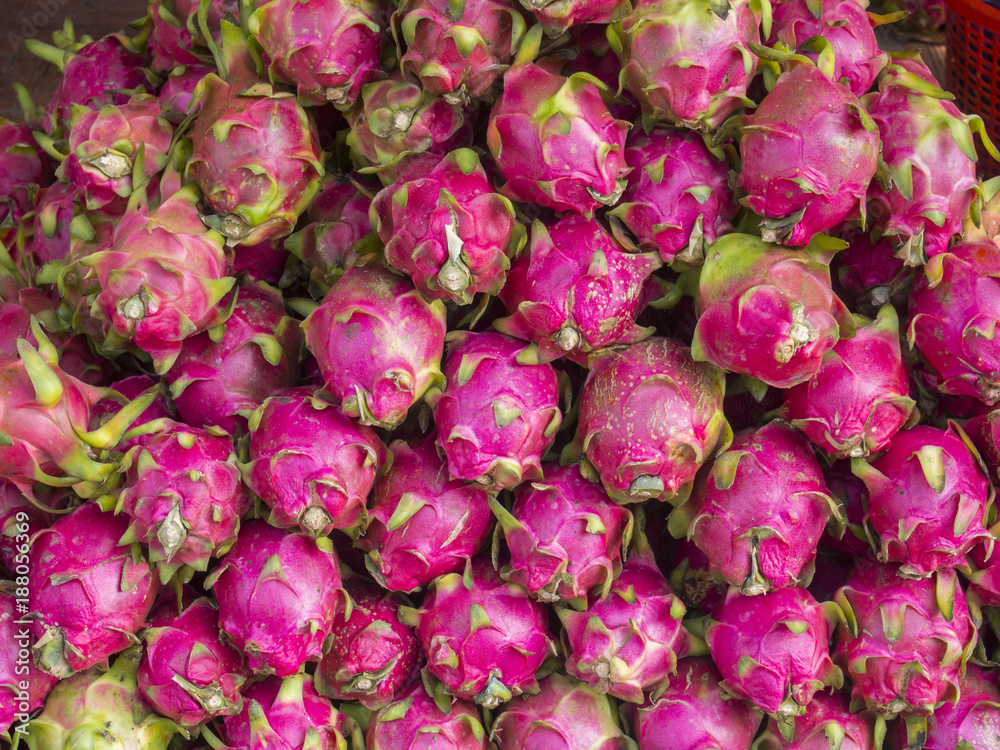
[(774, 649), (20, 519), (984, 432), (220, 377), (767, 311), (851, 495), (905, 642), (415, 721), (378, 344), (564, 713), (443, 225), (313, 466), (565, 536), (187, 673), (828, 723), (575, 290), (146, 424), (929, 500), (372, 654), (100, 709), (462, 51), (688, 61), (421, 523), (88, 595), (184, 496), (178, 91), (953, 308), (55, 210), (553, 138), (327, 49), (630, 640), (278, 594), (678, 199), (759, 511), (22, 164), (692, 712), (691, 575), (871, 274), (559, 15), (859, 398), (170, 42), (23, 687), (496, 417), (808, 153), (649, 418), (484, 637)]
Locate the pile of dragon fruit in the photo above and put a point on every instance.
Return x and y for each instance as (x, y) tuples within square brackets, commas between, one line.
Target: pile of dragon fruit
[(508, 374)]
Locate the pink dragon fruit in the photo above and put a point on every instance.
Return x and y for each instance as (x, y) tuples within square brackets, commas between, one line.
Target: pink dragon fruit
[(553, 138), (953, 307), (457, 51), (162, 280), (590, 52), (327, 49), (687, 61), (759, 511), (929, 500), (859, 398), (414, 720), (278, 594), (20, 519), (576, 290), (372, 655), (184, 496), (57, 206), (286, 714), (774, 649), (88, 595), (378, 344), (421, 523), (984, 432), (808, 154), (928, 148), (170, 42), (693, 713), (905, 642), (767, 311), (649, 418), (187, 673), (496, 417), (691, 575), (178, 91), (871, 274), (630, 640), (851, 495), (559, 15), (564, 713), (443, 225), (565, 536), (264, 261), (22, 164), (828, 723), (23, 686), (678, 199), (313, 466), (146, 424), (221, 376), (484, 637)]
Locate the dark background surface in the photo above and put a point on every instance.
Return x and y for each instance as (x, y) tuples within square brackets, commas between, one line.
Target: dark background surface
[(37, 19)]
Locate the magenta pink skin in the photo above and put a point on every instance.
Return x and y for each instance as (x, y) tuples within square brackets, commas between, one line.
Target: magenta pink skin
[(560, 15), (367, 642), (177, 91), (338, 216), (920, 665), (169, 45), (852, 495), (56, 208), (674, 182), (264, 261), (20, 519), (575, 276), (186, 644), (913, 130), (487, 386), (595, 56), (131, 388), (91, 74), (508, 650), (807, 128), (953, 308), (413, 216), (22, 163), (279, 620), (630, 641), (870, 272), (693, 713), (564, 160), (846, 27), (424, 726), (691, 76), (441, 536), (219, 383), (322, 46), (984, 432), (812, 729), (785, 664), (621, 425), (568, 537), (286, 724), (304, 457), (16, 703), (88, 587), (916, 525)]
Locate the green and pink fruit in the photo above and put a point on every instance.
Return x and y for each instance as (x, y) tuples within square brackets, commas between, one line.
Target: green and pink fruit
[(22, 164), (869, 272), (828, 723), (558, 16), (415, 722), (23, 686)]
